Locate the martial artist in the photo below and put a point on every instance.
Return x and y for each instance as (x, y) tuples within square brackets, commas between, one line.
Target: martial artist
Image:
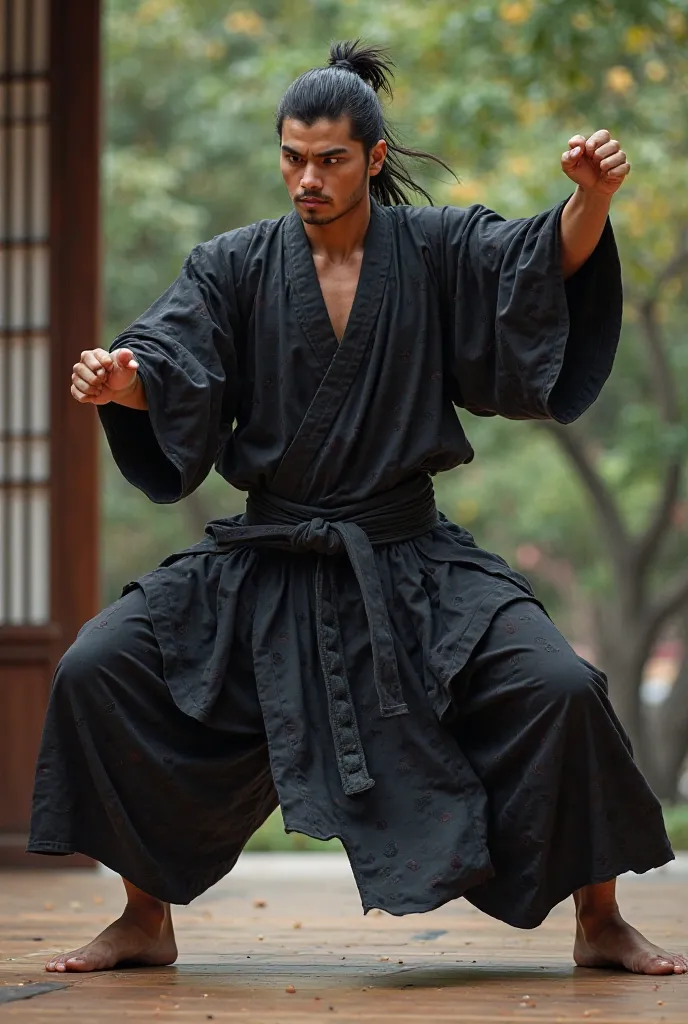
[(343, 649)]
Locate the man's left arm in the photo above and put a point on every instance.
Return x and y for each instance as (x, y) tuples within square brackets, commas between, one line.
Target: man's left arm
[(599, 167)]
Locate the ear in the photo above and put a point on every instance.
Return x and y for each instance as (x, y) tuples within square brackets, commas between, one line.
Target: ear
[(377, 158)]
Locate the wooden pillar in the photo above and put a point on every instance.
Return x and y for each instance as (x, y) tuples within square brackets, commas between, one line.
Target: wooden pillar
[(49, 312)]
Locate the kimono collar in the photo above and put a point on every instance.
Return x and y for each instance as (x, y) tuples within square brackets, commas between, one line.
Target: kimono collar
[(311, 308)]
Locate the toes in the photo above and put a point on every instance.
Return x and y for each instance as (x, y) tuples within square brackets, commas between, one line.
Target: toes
[(65, 962), (678, 962), (659, 965), (77, 963)]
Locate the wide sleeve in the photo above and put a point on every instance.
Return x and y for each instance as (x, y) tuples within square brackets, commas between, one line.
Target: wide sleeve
[(524, 343), (184, 345)]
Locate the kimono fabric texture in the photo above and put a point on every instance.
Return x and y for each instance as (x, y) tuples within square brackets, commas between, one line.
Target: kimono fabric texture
[(342, 648)]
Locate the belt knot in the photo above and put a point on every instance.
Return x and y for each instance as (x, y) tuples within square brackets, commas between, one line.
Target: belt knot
[(317, 535), (399, 515)]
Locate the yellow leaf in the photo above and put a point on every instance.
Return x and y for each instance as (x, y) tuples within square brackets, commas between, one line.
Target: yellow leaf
[(214, 50), (465, 193), (427, 125), (402, 96), (244, 23), (620, 79), (531, 111), (516, 12), (520, 165), (636, 226), (660, 210), (467, 510), (511, 44), (655, 70), (676, 20), (638, 38), (582, 21), (152, 9)]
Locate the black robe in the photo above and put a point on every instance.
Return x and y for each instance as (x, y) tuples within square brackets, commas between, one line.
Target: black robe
[(454, 307), (241, 368)]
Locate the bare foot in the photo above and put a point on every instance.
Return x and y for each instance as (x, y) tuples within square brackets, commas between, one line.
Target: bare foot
[(142, 935), (610, 941)]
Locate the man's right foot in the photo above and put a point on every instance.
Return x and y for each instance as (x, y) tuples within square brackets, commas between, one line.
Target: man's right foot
[(142, 935)]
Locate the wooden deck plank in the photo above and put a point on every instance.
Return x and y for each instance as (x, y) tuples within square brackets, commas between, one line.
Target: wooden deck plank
[(236, 959)]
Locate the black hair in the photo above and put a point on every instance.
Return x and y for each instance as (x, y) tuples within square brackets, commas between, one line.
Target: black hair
[(348, 86)]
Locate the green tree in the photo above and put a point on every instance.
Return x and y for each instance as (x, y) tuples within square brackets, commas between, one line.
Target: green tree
[(595, 513)]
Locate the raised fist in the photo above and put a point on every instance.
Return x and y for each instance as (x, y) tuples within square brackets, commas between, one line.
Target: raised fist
[(102, 377), (597, 164)]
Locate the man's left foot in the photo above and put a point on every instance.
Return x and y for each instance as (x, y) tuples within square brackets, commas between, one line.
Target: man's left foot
[(612, 942)]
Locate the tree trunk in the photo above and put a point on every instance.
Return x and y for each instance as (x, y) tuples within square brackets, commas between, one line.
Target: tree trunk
[(623, 665), (198, 511), (669, 732), (624, 693), (659, 734)]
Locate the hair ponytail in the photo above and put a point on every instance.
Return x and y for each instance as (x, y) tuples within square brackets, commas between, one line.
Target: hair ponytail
[(349, 86), (370, 63)]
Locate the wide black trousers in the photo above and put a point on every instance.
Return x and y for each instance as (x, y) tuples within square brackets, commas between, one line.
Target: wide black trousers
[(126, 777)]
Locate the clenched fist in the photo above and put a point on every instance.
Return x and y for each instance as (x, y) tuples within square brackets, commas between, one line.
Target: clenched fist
[(101, 377), (597, 164)]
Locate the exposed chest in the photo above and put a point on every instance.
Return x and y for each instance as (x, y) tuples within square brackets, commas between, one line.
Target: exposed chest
[(338, 284)]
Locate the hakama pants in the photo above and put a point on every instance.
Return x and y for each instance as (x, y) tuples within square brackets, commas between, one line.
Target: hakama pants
[(168, 802)]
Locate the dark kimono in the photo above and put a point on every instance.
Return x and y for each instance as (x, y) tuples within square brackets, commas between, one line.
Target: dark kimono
[(343, 648)]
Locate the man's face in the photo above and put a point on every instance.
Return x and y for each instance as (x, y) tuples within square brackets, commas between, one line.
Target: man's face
[(324, 169)]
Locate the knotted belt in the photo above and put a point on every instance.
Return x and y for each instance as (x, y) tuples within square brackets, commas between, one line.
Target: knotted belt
[(354, 530)]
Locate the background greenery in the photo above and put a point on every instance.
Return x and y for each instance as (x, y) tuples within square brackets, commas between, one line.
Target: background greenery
[(596, 514), (272, 837)]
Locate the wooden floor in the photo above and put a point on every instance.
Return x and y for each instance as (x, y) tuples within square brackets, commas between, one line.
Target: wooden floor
[(240, 961)]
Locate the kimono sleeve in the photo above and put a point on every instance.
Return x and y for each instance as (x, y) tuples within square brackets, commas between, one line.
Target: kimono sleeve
[(184, 345), (525, 343)]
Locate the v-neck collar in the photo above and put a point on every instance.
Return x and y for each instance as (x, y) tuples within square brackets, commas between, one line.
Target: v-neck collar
[(310, 302), (341, 361)]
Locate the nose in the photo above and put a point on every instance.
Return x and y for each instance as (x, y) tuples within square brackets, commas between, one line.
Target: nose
[(310, 179)]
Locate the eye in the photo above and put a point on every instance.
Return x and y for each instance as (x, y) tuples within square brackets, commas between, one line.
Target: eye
[(292, 158), (329, 160)]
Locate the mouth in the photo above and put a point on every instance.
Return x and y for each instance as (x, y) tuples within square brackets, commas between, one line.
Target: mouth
[(311, 202)]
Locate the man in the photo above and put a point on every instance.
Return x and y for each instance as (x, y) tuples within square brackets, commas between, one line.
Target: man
[(343, 648)]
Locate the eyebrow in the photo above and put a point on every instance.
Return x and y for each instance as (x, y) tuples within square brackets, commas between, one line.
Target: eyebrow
[(335, 151)]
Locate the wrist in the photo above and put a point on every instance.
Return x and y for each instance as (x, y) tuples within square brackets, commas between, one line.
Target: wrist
[(592, 199), (129, 395)]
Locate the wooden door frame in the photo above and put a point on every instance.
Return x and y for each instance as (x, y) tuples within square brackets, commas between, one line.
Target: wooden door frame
[(28, 655)]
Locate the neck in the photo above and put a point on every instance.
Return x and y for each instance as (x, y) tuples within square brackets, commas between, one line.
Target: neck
[(338, 241)]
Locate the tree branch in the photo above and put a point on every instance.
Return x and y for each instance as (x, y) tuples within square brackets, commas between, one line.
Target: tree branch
[(660, 369), (614, 528), (667, 399), (671, 727), (676, 265), (668, 604), (198, 512), (649, 540)]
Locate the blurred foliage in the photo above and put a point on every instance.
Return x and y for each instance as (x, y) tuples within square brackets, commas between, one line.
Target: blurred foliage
[(496, 89), (676, 819), (271, 837)]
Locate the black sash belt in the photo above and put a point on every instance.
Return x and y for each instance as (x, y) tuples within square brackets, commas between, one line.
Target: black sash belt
[(399, 515)]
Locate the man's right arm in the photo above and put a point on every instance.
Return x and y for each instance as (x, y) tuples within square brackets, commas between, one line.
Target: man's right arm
[(166, 419), (100, 377)]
